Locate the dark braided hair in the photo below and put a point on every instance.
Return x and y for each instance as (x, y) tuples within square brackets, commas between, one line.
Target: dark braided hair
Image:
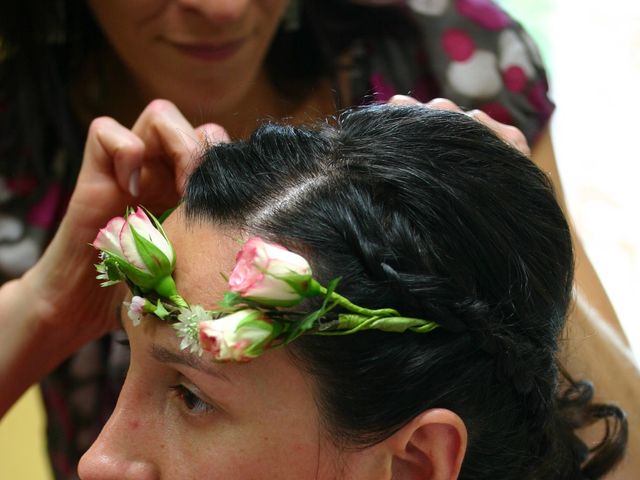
[(430, 213)]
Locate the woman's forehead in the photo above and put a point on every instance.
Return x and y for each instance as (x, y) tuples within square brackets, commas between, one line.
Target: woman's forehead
[(204, 253)]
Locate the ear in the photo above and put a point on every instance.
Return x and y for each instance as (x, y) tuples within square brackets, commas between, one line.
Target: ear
[(431, 446)]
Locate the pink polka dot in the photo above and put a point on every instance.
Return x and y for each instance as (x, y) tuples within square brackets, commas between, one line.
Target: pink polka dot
[(515, 78), (42, 214), (458, 44), (498, 112), (382, 90), (484, 13), (538, 98)]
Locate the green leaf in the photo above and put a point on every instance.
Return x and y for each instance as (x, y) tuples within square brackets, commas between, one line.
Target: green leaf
[(305, 324), (166, 287), (154, 258), (231, 299), (141, 279), (160, 311), (117, 269)]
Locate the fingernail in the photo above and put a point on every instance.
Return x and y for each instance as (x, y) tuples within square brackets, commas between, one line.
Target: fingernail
[(134, 183)]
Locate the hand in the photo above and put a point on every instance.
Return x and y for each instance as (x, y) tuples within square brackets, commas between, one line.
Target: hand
[(510, 134), (147, 165)]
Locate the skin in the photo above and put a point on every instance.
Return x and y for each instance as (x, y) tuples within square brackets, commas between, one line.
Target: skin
[(184, 416), (44, 313)]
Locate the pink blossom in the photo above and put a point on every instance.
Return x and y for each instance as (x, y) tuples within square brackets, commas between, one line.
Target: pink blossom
[(139, 250), (144, 227), (117, 238), (136, 310), (240, 336), (269, 273)]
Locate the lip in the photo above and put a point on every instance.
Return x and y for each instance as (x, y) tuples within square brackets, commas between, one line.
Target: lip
[(210, 52)]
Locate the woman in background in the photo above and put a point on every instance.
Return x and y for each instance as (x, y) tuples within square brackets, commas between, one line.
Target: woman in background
[(232, 63)]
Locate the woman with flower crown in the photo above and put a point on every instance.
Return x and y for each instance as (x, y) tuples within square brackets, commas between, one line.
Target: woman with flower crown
[(379, 299), (64, 62)]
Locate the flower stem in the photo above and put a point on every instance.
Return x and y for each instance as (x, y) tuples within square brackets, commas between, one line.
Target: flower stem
[(179, 301), (345, 303)]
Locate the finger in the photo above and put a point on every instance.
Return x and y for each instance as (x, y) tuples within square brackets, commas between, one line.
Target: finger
[(169, 137), (510, 134), (444, 104), (212, 134), (113, 151), (403, 100), (209, 135)]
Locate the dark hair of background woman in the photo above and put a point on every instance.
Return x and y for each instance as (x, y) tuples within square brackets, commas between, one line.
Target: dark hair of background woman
[(429, 213)]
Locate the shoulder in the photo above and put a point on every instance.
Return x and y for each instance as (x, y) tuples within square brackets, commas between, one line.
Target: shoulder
[(470, 51)]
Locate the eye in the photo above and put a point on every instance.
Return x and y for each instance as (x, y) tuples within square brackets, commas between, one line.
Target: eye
[(191, 401), (123, 342)]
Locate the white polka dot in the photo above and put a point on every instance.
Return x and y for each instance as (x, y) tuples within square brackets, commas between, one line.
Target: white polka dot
[(10, 228), (17, 258), (478, 77), (534, 51), (513, 51), (429, 7)]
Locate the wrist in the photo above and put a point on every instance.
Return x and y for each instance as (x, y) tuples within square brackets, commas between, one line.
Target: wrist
[(28, 353)]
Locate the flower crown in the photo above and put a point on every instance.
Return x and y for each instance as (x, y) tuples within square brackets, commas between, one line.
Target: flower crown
[(255, 313)]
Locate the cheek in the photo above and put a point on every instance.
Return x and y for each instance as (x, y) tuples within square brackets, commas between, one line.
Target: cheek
[(129, 25), (272, 12), (273, 446), (114, 14)]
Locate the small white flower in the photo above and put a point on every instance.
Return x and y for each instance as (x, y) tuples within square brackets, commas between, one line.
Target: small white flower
[(188, 327), (136, 310)]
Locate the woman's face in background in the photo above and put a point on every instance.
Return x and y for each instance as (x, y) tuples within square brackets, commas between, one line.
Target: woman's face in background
[(204, 55), (185, 417)]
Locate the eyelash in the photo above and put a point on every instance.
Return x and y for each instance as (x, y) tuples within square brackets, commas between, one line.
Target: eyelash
[(194, 404)]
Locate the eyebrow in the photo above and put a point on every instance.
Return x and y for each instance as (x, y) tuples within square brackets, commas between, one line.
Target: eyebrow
[(164, 355)]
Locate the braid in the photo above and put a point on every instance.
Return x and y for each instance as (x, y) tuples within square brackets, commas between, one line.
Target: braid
[(429, 213)]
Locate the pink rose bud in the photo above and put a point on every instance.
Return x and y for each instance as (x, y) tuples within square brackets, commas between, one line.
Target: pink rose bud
[(240, 336), (163, 260), (142, 251), (270, 274)]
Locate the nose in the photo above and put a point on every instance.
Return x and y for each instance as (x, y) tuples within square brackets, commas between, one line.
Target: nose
[(217, 10), (122, 451)]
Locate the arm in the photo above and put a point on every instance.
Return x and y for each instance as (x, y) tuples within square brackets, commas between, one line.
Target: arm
[(58, 305)]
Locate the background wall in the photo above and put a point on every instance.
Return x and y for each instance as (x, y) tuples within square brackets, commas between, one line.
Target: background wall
[(592, 49), (22, 443)]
